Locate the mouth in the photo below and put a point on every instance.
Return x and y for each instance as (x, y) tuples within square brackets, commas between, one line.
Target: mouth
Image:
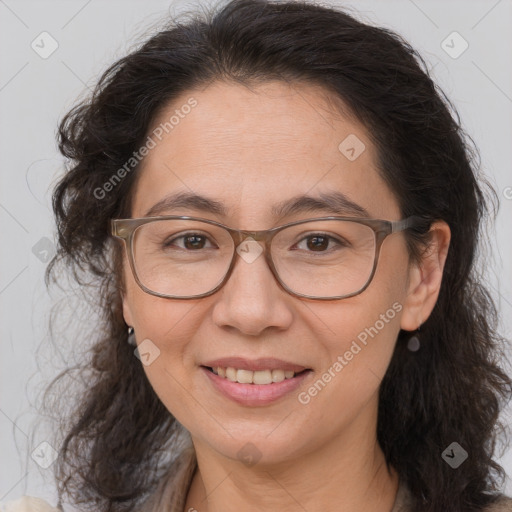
[(259, 377), (254, 387)]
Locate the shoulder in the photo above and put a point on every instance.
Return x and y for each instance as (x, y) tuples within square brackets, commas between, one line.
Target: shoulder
[(502, 504), (27, 504), (403, 501)]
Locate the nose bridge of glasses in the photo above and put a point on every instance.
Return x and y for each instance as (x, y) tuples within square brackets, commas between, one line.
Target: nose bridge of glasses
[(249, 253), (241, 235)]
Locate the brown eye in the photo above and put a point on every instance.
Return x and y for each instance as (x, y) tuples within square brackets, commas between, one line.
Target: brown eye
[(319, 242), (191, 242)]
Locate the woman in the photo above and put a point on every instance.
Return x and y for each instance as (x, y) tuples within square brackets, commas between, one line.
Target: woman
[(281, 214)]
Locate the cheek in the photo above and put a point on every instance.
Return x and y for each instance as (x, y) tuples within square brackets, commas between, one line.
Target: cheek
[(164, 330), (165, 322), (366, 342), (347, 386), (170, 325), (363, 333), (378, 324)]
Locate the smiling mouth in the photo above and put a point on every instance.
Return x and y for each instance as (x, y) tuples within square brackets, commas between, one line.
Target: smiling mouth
[(260, 377)]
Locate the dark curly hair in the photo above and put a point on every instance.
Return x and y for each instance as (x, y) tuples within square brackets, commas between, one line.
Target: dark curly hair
[(118, 435)]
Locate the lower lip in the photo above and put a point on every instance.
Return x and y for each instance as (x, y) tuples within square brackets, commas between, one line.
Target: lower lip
[(255, 394)]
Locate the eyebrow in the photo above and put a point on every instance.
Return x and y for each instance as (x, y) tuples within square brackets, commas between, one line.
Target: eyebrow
[(329, 202)]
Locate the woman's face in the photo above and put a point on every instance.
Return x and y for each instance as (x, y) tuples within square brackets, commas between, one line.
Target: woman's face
[(251, 150)]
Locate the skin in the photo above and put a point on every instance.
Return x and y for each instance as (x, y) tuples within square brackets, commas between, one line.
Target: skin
[(251, 148)]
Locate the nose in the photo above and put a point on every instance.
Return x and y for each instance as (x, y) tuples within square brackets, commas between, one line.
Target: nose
[(252, 300)]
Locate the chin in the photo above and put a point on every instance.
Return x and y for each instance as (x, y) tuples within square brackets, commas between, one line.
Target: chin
[(255, 447)]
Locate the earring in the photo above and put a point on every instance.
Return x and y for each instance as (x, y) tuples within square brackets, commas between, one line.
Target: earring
[(131, 336), (414, 341)]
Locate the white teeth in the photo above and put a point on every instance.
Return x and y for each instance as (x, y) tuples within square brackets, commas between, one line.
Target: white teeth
[(278, 375), (231, 374), (250, 377), (262, 377), (244, 376)]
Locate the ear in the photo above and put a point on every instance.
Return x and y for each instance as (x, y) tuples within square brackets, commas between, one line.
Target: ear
[(123, 288), (127, 312), (425, 278)]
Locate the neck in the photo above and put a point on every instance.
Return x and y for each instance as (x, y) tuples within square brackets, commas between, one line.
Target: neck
[(348, 474)]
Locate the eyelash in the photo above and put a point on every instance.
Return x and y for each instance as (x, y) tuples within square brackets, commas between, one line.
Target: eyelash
[(324, 235), (312, 235)]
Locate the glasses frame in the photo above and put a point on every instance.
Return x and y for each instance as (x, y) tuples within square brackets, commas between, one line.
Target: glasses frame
[(124, 229)]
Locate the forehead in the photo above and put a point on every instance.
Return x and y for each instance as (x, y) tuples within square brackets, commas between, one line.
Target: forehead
[(250, 148)]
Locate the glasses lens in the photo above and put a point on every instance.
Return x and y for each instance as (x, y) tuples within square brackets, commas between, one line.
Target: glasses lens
[(181, 257), (325, 258), (184, 258)]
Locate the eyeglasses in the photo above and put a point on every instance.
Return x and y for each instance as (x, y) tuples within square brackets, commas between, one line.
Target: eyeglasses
[(182, 257)]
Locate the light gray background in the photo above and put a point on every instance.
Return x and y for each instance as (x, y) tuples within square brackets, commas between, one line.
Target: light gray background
[(36, 92)]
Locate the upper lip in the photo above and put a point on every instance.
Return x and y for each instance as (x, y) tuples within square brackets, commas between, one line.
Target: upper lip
[(264, 363)]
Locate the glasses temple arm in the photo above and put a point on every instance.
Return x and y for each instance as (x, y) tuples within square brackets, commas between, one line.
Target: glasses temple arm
[(413, 221)]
